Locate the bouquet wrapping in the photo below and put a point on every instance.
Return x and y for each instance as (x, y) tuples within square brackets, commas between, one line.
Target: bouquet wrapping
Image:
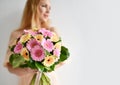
[(38, 49)]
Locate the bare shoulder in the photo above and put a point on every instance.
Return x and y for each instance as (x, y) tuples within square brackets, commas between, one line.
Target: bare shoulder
[(16, 33), (54, 29)]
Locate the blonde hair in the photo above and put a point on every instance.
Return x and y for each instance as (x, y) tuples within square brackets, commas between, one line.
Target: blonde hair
[(30, 18)]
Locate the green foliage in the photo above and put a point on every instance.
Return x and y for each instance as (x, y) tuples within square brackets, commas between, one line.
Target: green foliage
[(49, 69), (31, 64), (47, 53), (12, 48), (16, 60), (64, 54), (39, 66)]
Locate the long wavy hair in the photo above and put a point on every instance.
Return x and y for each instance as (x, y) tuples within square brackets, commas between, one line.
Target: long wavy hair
[(31, 16)]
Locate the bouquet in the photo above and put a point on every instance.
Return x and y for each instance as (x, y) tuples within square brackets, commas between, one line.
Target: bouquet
[(38, 49)]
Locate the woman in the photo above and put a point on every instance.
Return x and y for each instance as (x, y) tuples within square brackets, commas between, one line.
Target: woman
[(35, 16)]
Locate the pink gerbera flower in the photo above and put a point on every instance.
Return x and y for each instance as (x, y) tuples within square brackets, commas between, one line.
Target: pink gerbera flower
[(46, 32), (37, 53), (18, 48), (32, 43), (48, 45)]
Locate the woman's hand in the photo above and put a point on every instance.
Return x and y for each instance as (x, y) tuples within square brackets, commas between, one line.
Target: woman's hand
[(20, 71)]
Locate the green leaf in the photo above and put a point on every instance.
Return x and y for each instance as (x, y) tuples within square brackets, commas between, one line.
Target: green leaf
[(64, 54), (16, 60), (49, 69), (47, 53), (24, 65), (12, 48), (31, 64), (11, 58), (52, 67), (39, 66)]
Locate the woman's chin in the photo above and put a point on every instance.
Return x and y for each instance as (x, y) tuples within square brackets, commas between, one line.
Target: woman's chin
[(44, 20)]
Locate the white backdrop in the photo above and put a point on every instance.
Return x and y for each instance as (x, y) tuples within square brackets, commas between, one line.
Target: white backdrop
[(89, 28)]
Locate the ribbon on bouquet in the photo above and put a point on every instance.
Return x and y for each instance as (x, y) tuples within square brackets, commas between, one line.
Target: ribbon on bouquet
[(40, 78)]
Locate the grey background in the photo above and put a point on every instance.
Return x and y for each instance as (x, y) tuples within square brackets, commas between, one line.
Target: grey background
[(89, 28)]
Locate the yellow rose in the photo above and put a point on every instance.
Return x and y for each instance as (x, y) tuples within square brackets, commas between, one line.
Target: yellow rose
[(39, 37), (24, 52), (25, 38), (49, 60)]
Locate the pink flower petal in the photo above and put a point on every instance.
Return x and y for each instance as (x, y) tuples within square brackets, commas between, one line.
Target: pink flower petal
[(18, 48), (46, 33), (37, 53), (30, 32), (48, 45), (56, 52), (32, 43)]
